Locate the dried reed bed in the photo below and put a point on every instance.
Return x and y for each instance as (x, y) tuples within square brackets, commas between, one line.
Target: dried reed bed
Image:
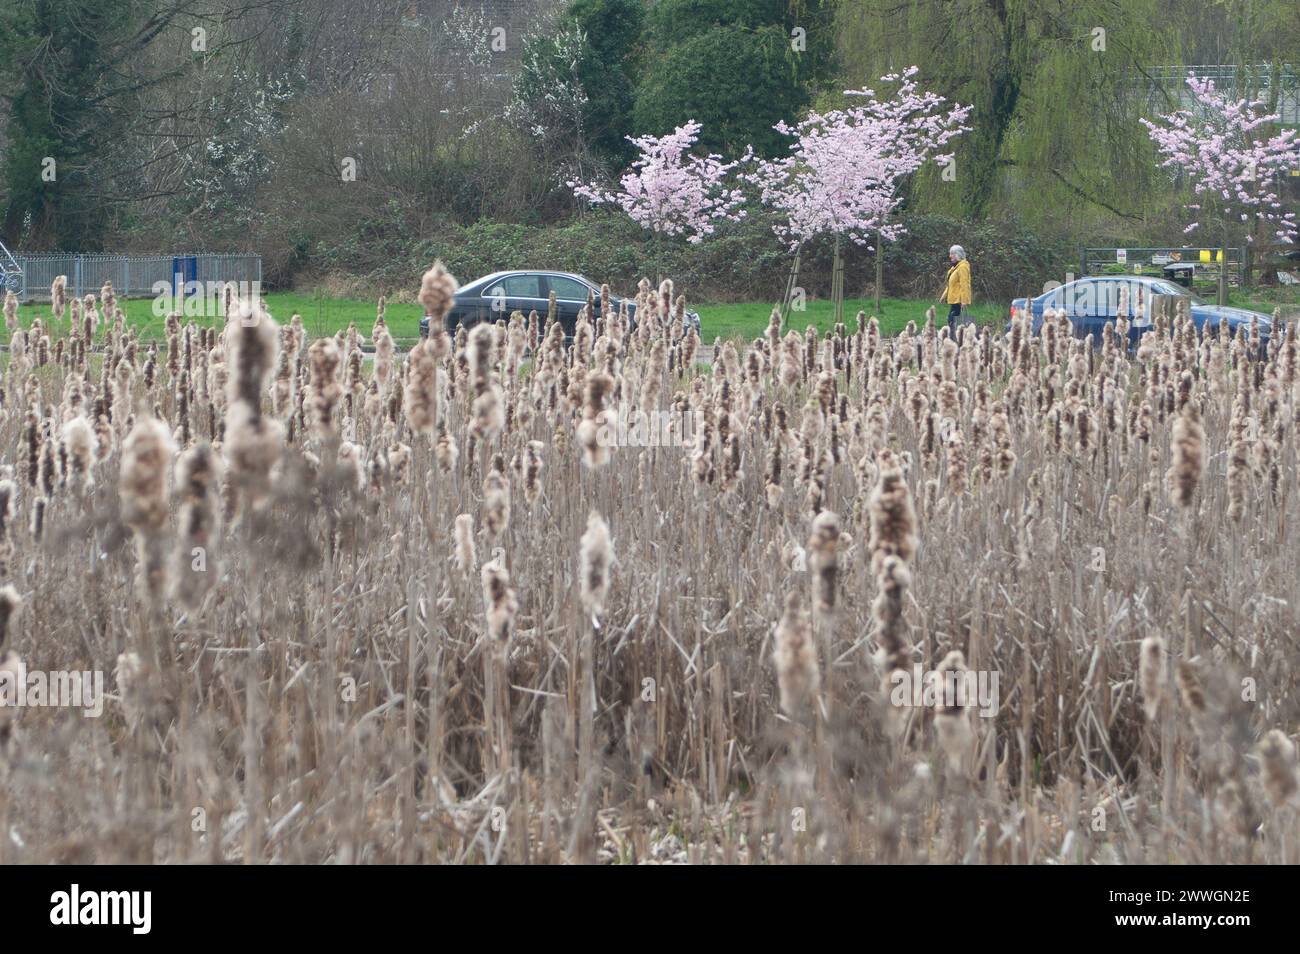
[(423, 610)]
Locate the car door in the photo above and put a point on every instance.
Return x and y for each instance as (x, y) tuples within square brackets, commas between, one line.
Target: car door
[(570, 297), (524, 292), (1091, 303)]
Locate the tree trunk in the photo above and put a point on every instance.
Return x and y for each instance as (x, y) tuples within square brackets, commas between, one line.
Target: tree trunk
[(880, 269), (837, 286), (791, 282)]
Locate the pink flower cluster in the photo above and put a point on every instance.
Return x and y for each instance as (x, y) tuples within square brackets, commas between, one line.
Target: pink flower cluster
[(1229, 164), (670, 191), (845, 167)]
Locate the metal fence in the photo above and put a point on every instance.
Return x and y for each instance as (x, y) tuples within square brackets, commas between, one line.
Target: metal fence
[(133, 276), (1182, 264), (1256, 80)]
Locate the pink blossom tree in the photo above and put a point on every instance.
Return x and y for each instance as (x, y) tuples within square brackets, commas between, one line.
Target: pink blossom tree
[(846, 168), (671, 191), (1230, 163)]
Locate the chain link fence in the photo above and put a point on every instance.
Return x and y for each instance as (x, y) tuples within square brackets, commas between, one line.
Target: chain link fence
[(133, 276)]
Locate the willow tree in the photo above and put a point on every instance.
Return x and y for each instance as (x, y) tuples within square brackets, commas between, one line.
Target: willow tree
[(1055, 91)]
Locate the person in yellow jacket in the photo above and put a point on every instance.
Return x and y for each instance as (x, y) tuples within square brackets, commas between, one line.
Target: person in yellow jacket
[(956, 292)]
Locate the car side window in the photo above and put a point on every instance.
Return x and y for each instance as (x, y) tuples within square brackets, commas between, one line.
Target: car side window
[(566, 289), (524, 286), (516, 286)]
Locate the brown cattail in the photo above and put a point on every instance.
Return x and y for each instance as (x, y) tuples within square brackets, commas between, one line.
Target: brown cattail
[(145, 497), (10, 603), (893, 580), (596, 556), (487, 412), (1277, 760), (445, 450), (421, 396), (195, 570), (893, 520), (436, 290), (822, 547), (496, 502), (399, 463), (952, 718), (466, 555), (1188, 457), (59, 296), (499, 604), (596, 420), (532, 468), (1151, 675), (283, 397), (795, 656)]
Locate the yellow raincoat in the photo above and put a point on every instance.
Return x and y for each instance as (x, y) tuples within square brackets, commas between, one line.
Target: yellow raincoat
[(958, 289)]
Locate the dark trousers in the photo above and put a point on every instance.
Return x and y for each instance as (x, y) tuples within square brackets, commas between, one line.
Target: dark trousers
[(954, 317)]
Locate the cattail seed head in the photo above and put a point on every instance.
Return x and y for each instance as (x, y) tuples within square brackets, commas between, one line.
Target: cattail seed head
[(596, 557), (10, 603), (822, 547), (1151, 675), (499, 604), (795, 656), (893, 520), (1277, 759), (466, 554), (436, 290), (1188, 455)]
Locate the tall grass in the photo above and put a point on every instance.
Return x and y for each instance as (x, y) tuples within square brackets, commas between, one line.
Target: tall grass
[(334, 637)]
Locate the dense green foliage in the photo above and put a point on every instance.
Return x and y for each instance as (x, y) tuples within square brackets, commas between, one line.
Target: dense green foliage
[(743, 262), (736, 66), (603, 67), (737, 82), (356, 139), (1057, 91), (52, 59)]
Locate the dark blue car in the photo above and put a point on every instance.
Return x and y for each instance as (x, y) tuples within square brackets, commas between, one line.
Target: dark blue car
[(500, 294), (1091, 303)]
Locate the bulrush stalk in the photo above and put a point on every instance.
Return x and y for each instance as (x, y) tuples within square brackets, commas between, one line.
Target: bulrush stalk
[(597, 421), (952, 716), (795, 657), (1152, 676), (195, 570), (145, 500), (466, 555), (597, 556), (253, 441), (1188, 457)]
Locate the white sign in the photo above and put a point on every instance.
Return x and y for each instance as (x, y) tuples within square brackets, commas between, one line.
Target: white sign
[(1121, 255)]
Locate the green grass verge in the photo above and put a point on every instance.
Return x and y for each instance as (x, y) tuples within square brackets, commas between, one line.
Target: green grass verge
[(748, 320), (320, 315), (744, 320)]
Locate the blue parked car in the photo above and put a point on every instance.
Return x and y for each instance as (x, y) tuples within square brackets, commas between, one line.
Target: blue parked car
[(1093, 302)]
